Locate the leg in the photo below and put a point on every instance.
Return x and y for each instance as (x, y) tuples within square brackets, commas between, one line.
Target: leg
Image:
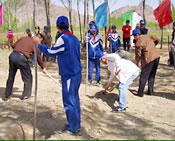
[(152, 77), (27, 78), (97, 66), (145, 73), (124, 43), (71, 100), (12, 72), (90, 69), (128, 44)]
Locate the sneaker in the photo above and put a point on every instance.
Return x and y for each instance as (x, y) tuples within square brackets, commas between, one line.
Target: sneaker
[(89, 83), (68, 132), (119, 109), (6, 98), (25, 97), (98, 84)]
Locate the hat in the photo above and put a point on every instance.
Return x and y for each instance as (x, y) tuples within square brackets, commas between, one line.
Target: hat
[(128, 21), (142, 22), (137, 24), (91, 23), (135, 31), (173, 23), (62, 20), (27, 30), (113, 26), (93, 27), (37, 27), (10, 29), (46, 27)]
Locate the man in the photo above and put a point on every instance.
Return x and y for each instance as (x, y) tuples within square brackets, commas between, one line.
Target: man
[(95, 52), (67, 49), (143, 29), (147, 53), (29, 34), (47, 40), (171, 58), (126, 35), (18, 59), (125, 71), (114, 38), (37, 30), (137, 27)]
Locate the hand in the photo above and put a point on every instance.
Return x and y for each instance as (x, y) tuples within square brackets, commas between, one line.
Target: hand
[(44, 70), (106, 87), (86, 41)]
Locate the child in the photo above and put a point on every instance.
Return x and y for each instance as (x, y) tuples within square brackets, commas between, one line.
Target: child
[(114, 38), (95, 52), (10, 37)]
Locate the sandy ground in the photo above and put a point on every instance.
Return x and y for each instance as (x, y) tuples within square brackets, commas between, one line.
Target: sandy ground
[(150, 117)]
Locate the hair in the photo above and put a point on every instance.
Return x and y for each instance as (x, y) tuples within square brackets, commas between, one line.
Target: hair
[(63, 26)]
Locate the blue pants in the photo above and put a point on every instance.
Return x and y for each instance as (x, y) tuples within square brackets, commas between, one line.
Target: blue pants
[(123, 88), (70, 88), (114, 49), (91, 67)]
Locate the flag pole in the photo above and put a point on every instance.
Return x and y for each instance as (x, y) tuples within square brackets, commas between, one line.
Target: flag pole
[(109, 26), (86, 48)]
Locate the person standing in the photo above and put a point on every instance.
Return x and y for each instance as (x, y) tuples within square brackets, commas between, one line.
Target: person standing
[(18, 59), (47, 40), (147, 53), (114, 38), (95, 51), (10, 37), (67, 49), (126, 35), (125, 71), (143, 29)]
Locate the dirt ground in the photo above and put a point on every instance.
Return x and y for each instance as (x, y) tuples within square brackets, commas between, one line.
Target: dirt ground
[(150, 117)]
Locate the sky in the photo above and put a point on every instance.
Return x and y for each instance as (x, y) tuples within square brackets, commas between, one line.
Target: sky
[(113, 4)]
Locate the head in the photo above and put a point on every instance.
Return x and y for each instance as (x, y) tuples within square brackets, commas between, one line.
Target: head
[(142, 24), (62, 23), (93, 29), (173, 25), (91, 23), (138, 26), (127, 22), (10, 30), (103, 60), (136, 33), (37, 29), (38, 38), (113, 27), (28, 32), (46, 28)]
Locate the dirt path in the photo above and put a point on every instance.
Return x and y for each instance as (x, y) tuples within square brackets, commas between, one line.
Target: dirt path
[(150, 117)]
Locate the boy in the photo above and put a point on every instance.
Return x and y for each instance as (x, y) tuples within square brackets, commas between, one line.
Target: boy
[(126, 35)]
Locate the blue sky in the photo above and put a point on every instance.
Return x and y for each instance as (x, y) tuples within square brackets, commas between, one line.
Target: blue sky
[(113, 4)]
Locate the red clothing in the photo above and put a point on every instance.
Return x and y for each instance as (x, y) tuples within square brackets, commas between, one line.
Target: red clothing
[(10, 35), (126, 31)]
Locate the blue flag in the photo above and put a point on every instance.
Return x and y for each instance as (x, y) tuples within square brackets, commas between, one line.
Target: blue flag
[(102, 15)]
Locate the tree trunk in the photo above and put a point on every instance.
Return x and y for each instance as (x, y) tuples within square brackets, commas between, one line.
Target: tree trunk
[(47, 8), (144, 10), (70, 15), (87, 11), (34, 12), (79, 20), (94, 14), (84, 28)]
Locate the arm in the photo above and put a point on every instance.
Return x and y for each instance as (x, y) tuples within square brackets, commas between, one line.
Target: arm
[(138, 54), (109, 37), (55, 50), (40, 62), (155, 39)]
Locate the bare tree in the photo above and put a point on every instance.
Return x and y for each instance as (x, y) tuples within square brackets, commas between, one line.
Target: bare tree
[(144, 10), (79, 19), (84, 29), (34, 14), (47, 8), (94, 14), (87, 11)]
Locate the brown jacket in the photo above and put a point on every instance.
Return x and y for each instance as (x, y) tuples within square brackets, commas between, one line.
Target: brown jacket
[(26, 45), (47, 39), (146, 49)]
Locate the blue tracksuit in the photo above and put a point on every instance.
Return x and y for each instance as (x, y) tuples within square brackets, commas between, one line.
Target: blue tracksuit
[(67, 48), (144, 31), (95, 52), (115, 41)]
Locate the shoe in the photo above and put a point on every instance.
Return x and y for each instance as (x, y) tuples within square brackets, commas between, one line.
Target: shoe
[(119, 109), (138, 95), (98, 84), (6, 98), (149, 93), (89, 83), (25, 97), (68, 132)]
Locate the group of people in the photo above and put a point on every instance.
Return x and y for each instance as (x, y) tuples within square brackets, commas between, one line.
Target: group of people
[(67, 49)]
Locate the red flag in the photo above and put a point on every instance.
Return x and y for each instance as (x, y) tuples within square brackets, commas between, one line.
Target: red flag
[(1, 14), (163, 13), (109, 30)]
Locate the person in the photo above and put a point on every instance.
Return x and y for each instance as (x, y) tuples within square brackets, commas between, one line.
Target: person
[(37, 30), (10, 37), (114, 38), (147, 53), (95, 51), (18, 59), (67, 49), (90, 24), (125, 71), (143, 29), (126, 35), (137, 27), (47, 40), (29, 34)]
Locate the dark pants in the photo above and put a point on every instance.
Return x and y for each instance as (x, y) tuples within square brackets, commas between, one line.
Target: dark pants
[(126, 42), (19, 61), (148, 73)]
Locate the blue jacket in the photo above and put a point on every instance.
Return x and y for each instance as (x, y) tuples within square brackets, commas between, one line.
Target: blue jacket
[(144, 31), (95, 47), (115, 39), (67, 48)]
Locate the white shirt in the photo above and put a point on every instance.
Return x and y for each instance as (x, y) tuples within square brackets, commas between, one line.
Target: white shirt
[(126, 67)]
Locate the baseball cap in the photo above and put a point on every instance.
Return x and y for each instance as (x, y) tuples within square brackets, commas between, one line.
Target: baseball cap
[(93, 27), (128, 21), (91, 23), (27, 30), (62, 21), (142, 22), (113, 26), (46, 27), (173, 23), (137, 24), (135, 31), (10, 29)]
